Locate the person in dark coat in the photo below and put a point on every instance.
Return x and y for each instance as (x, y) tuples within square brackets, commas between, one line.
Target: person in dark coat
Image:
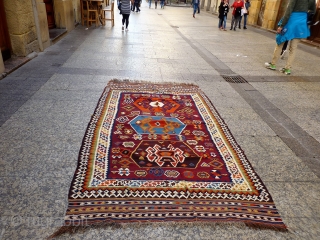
[(136, 5), (223, 12)]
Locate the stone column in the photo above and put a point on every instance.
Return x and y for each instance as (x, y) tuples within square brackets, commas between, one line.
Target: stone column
[(254, 11), (264, 13), (41, 23), (64, 14), (270, 14), (21, 26)]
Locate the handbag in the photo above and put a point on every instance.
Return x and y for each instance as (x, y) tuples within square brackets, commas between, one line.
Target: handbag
[(310, 16), (238, 12), (243, 11)]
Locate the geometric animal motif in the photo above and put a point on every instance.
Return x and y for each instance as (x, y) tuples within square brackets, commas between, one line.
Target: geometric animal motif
[(155, 154)]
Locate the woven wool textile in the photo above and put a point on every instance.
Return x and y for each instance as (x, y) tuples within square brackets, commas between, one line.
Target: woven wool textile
[(161, 152)]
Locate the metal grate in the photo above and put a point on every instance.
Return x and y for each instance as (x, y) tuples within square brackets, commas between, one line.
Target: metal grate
[(235, 79)]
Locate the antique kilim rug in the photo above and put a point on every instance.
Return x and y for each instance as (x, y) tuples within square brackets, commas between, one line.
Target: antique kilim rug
[(161, 152)]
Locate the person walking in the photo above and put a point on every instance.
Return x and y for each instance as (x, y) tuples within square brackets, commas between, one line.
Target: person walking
[(136, 5), (149, 3), (236, 14), (223, 12), (155, 4), (119, 6), (292, 27), (162, 3), (125, 10), (195, 4)]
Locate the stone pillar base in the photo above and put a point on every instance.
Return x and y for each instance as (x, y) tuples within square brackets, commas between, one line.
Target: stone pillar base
[(2, 69)]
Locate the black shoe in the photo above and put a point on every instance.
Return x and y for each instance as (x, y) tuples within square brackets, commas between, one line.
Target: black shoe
[(230, 28), (244, 27), (234, 29), (239, 27)]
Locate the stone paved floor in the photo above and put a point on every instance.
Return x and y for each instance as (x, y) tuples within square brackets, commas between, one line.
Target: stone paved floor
[(45, 106)]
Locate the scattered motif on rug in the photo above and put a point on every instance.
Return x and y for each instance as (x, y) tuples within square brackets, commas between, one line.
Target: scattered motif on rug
[(161, 152)]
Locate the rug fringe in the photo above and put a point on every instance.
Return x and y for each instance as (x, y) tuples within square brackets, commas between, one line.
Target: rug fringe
[(114, 225), (119, 81), (80, 229)]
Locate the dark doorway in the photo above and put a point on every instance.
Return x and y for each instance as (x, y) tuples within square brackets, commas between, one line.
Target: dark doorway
[(5, 44), (50, 13), (315, 29)]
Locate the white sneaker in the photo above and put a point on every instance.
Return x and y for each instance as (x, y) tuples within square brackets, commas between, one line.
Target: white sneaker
[(270, 66), (127, 29)]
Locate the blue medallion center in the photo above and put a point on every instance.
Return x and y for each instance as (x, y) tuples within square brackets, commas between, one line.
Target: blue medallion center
[(157, 125)]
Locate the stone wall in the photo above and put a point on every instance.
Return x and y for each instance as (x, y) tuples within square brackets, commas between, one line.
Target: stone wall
[(64, 14), (21, 27), (254, 11), (77, 10), (270, 14), (264, 13)]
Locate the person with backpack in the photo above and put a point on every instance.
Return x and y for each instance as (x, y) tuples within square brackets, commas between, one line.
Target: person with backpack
[(236, 13), (125, 11)]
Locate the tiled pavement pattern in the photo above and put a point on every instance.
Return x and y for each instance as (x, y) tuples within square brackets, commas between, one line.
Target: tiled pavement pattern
[(46, 104)]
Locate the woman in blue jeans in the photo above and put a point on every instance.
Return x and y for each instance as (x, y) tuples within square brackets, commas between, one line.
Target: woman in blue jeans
[(223, 12), (162, 3), (245, 15), (195, 4)]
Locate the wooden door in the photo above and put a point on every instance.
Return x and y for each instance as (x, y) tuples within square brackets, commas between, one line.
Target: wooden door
[(315, 29), (50, 13), (5, 44)]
